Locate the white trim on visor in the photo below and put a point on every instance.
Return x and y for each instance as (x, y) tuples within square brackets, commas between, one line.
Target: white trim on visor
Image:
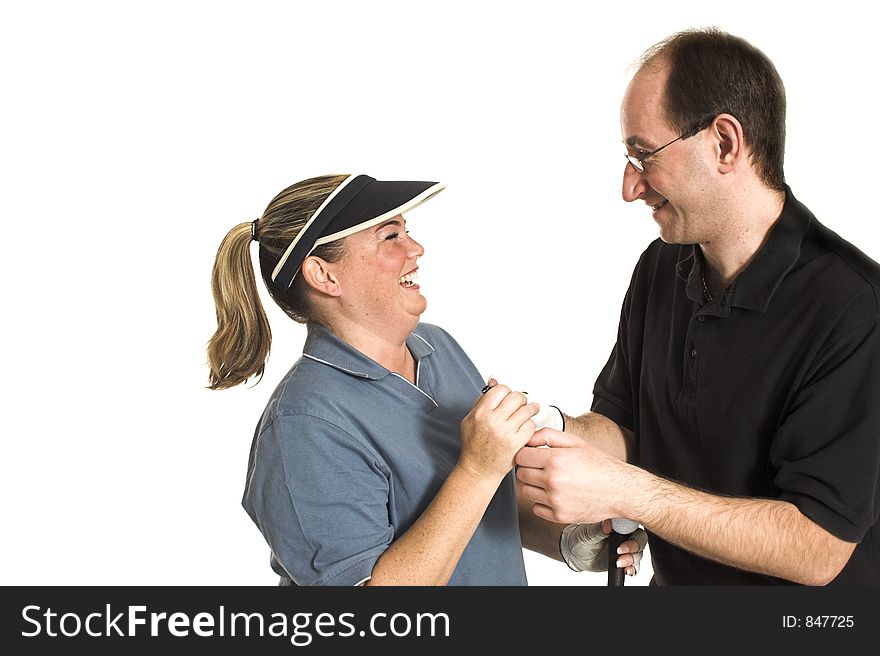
[(406, 207), (314, 216)]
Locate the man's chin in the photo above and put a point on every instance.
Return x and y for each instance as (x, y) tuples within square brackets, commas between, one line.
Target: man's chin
[(670, 235)]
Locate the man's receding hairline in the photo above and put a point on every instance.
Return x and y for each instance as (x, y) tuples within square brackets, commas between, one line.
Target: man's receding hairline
[(652, 65)]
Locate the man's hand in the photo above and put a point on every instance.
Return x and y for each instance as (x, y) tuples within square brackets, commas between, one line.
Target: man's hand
[(573, 481)]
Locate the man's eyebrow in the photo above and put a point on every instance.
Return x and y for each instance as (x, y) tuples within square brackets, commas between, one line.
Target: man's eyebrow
[(636, 141)]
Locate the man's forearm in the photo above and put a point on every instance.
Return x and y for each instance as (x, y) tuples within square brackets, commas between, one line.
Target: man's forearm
[(766, 536), (538, 535), (604, 433)]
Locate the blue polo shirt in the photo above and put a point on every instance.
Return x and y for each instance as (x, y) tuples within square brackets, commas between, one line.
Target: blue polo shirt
[(347, 455)]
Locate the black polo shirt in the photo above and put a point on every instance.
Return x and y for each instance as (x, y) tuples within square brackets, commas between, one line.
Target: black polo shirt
[(771, 390)]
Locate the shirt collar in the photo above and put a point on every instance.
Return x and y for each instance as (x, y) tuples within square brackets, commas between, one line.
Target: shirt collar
[(754, 288), (323, 346)]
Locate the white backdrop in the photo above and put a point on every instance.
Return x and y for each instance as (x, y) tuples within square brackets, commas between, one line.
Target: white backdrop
[(136, 134)]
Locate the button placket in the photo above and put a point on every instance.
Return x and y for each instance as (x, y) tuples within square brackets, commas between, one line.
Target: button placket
[(697, 331)]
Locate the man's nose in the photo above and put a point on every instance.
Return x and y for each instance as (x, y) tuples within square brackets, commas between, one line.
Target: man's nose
[(634, 185)]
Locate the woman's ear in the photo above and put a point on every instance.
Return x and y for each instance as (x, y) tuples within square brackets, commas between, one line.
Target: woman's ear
[(730, 146), (319, 275)]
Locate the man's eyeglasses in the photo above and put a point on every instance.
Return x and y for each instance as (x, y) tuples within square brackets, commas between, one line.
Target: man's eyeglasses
[(638, 161)]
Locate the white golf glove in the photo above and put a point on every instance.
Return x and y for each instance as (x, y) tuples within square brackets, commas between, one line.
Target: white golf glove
[(549, 416), (584, 547)]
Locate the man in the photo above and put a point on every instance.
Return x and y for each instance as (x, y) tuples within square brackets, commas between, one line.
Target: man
[(746, 375)]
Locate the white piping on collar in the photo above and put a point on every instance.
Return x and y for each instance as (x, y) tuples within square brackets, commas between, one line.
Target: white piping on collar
[(336, 366), (394, 373), (424, 340), (363, 375)]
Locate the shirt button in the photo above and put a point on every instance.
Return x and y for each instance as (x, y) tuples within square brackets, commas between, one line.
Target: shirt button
[(693, 353), (701, 318)]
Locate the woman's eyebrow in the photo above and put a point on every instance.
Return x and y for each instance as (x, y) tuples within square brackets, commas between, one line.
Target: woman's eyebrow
[(394, 222)]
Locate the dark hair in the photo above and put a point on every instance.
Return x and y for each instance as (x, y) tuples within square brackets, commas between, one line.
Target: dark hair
[(712, 72), (240, 346)]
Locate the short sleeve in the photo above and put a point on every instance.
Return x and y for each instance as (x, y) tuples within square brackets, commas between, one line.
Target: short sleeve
[(827, 451), (320, 498), (612, 392)]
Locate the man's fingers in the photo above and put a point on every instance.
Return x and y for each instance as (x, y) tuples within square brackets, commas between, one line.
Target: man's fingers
[(535, 494), (553, 437), (542, 511), (534, 457), (536, 440), (531, 476)]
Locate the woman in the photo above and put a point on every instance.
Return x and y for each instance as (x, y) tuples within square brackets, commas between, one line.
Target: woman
[(372, 463)]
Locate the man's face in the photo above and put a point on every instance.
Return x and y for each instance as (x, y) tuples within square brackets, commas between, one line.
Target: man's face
[(676, 184)]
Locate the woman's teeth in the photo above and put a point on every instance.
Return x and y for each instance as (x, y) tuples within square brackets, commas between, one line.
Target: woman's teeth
[(409, 279)]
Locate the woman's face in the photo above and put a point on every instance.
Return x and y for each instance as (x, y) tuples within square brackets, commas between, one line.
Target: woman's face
[(378, 277)]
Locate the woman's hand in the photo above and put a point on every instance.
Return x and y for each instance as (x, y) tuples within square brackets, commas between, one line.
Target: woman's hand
[(499, 425), (584, 548)]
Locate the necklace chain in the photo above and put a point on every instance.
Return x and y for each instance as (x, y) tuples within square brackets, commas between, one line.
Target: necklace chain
[(706, 293)]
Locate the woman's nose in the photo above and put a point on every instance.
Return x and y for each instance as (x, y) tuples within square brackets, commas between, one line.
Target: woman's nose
[(415, 248)]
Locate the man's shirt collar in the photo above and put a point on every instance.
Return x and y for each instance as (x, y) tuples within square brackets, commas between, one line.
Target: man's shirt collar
[(754, 288)]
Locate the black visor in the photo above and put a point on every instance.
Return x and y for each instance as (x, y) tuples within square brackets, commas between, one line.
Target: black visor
[(356, 204)]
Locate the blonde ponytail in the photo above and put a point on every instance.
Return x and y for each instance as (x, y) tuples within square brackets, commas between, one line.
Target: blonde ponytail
[(240, 347)]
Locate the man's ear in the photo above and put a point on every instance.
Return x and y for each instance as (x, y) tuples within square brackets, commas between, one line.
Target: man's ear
[(730, 145), (319, 275)]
